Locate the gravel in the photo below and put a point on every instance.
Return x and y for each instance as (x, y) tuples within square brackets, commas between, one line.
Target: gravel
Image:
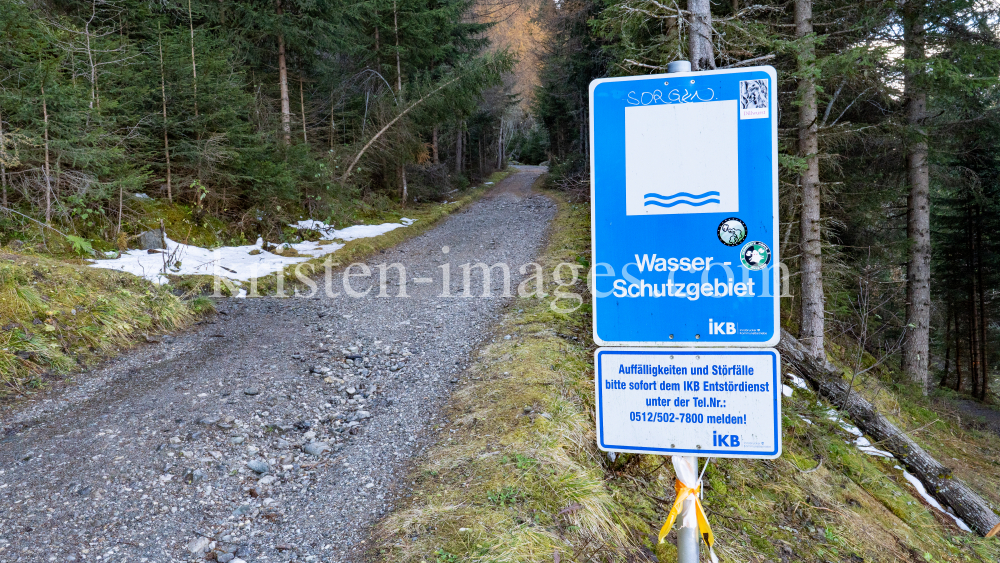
[(286, 438)]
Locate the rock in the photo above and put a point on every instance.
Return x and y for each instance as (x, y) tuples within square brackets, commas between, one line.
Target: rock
[(316, 448), (258, 466), (225, 557), (352, 391), (210, 419), (242, 510), (150, 240), (236, 440), (198, 545), (251, 391), (237, 560), (194, 476), (361, 415)]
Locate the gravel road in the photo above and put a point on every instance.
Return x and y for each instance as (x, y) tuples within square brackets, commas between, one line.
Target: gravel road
[(280, 430)]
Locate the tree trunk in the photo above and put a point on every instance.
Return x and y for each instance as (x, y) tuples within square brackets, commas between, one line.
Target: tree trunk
[(973, 328), (3, 167), (916, 347), (395, 29), (302, 110), (163, 95), (194, 65), (402, 171), (94, 100), (947, 345), (390, 124), (938, 479), (500, 146), (811, 333), (701, 51), (458, 150), (48, 179), (286, 111), (434, 145), (958, 355), (978, 253), (333, 128)]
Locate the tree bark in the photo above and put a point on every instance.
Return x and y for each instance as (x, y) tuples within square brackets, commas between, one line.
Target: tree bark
[(194, 64), (701, 51), (978, 253), (286, 110), (48, 174), (947, 345), (938, 479), (402, 171), (458, 150), (434, 145), (811, 332), (958, 355), (916, 347), (3, 167), (395, 29), (94, 100), (302, 110), (163, 95)]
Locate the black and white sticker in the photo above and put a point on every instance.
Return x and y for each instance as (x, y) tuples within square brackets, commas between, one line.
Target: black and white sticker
[(754, 98)]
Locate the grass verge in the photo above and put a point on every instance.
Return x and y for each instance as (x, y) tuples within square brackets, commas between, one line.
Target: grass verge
[(56, 317), (516, 475)]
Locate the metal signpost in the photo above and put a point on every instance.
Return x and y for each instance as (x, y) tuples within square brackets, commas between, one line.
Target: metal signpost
[(684, 214)]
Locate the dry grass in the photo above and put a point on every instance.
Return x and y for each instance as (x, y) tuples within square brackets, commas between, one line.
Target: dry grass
[(516, 475), (56, 317)]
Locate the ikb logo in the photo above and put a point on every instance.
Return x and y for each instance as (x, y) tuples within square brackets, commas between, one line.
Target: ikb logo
[(721, 328), (727, 440)]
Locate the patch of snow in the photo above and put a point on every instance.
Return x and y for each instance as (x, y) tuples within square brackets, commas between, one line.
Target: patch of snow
[(328, 232), (849, 428), (489, 183), (786, 390), (236, 262), (933, 501), (865, 446), (141, 195), (807, 421), (797, 381)]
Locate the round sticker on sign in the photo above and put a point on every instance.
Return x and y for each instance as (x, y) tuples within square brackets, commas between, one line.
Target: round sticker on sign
[(755, 255), (732, 231)]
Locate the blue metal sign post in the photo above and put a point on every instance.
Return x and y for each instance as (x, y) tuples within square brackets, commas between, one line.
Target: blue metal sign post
[(684, 196)]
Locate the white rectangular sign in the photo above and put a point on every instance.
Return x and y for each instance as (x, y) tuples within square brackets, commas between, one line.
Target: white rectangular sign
[(701, 402)]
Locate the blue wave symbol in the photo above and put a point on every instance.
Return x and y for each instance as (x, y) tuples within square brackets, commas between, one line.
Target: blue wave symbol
[(679, 194), (678, 202), (673, 199)]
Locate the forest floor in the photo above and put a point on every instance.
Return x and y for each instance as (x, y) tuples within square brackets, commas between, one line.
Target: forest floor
[(278, 430)]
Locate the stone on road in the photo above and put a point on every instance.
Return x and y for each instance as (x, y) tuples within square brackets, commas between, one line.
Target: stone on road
[(285, 438)]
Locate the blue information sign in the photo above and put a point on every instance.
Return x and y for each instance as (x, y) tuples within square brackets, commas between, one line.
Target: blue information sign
[(684, 196)]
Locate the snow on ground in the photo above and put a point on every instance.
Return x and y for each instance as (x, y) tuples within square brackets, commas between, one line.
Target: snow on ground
[(866, 446), (236, 262), (933, 501)]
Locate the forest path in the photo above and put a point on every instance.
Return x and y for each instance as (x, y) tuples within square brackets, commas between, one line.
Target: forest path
[(252, 438)]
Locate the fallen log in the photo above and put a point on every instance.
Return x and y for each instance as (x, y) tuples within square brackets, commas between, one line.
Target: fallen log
[(829, 382)]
